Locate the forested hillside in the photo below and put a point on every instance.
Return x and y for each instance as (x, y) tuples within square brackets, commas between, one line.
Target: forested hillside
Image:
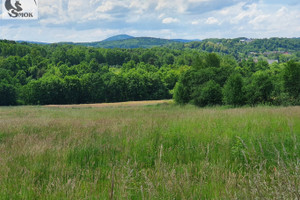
[(281, 49), (131, 43), (72, 74), (274, 48)]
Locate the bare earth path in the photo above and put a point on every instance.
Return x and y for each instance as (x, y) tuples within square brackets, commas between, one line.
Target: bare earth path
[(129, 103)]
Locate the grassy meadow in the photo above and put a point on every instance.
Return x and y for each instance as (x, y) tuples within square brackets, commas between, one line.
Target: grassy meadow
[(149, 152)]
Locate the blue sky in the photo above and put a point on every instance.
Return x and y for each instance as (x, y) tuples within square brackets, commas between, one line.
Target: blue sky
[(95, 20)]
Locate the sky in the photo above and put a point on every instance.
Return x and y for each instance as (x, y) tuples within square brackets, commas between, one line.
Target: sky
[(95, 20)]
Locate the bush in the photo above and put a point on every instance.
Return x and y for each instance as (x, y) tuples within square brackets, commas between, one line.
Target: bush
[(181, 96), (233, 93), (260, 88), (209, 93), (7, 94), (291, 79)]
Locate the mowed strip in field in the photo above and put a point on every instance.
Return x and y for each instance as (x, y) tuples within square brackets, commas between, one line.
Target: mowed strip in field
[(161, 151), (118, 104)]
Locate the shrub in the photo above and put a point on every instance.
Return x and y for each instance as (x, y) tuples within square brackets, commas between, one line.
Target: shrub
[(209, 93), (260, 88), (7, 94), (233, 93), (291, 79)]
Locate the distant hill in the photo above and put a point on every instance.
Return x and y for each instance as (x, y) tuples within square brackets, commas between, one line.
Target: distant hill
[(185, 41), (126, 42), (118, 37), (246, 45), (31, 42), (134, 42), (130, 42), (238, 47)]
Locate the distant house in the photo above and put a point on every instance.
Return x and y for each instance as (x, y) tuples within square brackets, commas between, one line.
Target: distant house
[(272, 61), (246, 40)]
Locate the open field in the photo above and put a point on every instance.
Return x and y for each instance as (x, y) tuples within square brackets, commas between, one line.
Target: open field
[(118, 104), (149, 152)]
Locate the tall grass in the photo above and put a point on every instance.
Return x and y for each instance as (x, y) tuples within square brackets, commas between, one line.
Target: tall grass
[(150, 152)]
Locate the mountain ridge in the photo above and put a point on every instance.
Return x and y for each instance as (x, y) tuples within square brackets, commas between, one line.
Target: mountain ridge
[(117, 37), (127, 41)]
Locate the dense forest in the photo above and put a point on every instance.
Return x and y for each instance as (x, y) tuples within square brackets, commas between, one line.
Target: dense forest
[(211, 72), (281, 49), (130, 42)]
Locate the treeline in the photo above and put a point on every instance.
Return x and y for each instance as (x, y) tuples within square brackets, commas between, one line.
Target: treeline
[(211, 83), (139, 42), (32, 74), (69, 74), (242, 48)]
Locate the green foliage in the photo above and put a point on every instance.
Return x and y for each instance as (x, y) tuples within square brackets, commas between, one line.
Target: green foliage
[(93, 88), (242, 48), (212, 60), (233, 91), (140, 42), (5, 76), (72, 90), (291, 79), (47, 90), (181, 94), (149, 152), (202, 84), (7, 94), (207, 94), (71, 74), (259, 89)]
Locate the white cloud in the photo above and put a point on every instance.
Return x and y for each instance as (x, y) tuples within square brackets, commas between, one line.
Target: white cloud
[(139, 6), (282, 11), (195, 22), (198, 1), (106, 6), (87, 20), (212, 20), (161, 15), (250, 11), (57, 34), (179, 6), (169, 20), (258, 20), (92, 17)]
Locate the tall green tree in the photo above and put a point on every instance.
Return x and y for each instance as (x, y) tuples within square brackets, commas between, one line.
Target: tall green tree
[(93, 88), (7, 94), (259, 89), (72, 90), (233, 91), (209, 93), (47, 90), (291, 79)]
